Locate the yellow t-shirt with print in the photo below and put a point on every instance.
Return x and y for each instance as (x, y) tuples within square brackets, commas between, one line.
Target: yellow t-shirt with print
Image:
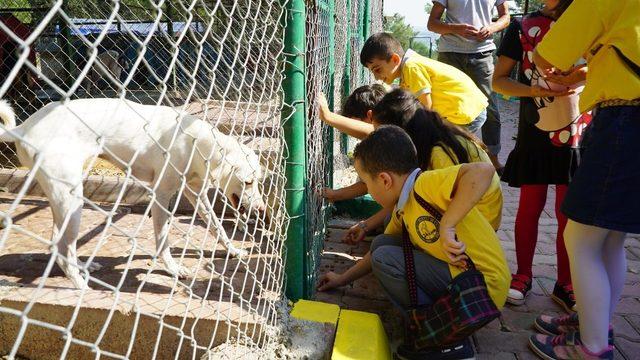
[(490, 206), (591, 29), (483, 246), (453, 94)]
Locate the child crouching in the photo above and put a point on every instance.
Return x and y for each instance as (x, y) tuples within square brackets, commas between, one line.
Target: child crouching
[(386, 162)]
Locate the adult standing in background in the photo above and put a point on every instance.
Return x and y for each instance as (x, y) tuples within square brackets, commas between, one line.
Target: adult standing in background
[(467, 43)]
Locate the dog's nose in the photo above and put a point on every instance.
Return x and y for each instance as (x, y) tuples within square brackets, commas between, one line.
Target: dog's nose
[(262, 208)]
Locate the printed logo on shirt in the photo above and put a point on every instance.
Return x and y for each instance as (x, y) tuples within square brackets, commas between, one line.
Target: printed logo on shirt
[(427, 228)]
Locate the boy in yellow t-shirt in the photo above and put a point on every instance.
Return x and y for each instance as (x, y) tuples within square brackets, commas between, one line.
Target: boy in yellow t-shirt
[(438, 86), (386, 161)]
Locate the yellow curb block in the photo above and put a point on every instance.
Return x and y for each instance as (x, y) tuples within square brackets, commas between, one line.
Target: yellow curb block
[(360, 335), (316, 311)]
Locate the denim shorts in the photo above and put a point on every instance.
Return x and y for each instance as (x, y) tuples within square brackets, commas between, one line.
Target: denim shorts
[(605, 190)]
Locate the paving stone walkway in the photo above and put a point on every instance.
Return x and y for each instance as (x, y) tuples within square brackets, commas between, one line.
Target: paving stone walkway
[(508, 337)]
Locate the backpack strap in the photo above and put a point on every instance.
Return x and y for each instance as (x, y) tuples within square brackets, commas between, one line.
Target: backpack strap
[(407, 250), (409, 267)]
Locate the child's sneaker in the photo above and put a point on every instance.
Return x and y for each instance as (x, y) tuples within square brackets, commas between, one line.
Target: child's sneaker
[(565, 347), (520, 286), (461, 351), (559, 325), (563, 295)]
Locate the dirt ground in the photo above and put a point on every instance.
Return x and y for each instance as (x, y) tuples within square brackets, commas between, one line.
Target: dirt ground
[(9, 160)]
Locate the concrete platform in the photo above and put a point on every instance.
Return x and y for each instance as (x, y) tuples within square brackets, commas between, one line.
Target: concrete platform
[(134, 307)]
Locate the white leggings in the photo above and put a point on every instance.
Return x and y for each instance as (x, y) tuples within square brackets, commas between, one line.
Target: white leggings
[(598, 268)]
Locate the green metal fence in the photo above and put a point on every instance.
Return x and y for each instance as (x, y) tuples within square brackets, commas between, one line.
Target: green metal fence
[(322, 44)]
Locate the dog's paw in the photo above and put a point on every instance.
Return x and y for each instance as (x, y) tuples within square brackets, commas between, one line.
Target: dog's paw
[(180, 271), (79, 283), (238, 253), (94, 266)]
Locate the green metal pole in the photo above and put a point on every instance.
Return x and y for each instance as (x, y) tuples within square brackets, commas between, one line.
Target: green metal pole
[(344, 140), (293, 118), (367, 19), (332, 73), (366, 29)]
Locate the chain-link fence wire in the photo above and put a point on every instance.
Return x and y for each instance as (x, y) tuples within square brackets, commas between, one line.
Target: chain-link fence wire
[(377, 24), (350, 23), (188, 60), (340, 161), (318, 141)]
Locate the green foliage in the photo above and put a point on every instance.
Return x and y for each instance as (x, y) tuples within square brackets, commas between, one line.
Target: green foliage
[(428, 6), (24, 17), (533, 4), (399, 29), (421, 48)]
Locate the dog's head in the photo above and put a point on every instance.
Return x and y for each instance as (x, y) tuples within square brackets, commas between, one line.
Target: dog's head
[(241, 185)]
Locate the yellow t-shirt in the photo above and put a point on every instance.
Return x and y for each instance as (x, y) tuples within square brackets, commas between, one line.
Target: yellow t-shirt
[(589, 28), (483, 246), (454, 95), (490, 206)]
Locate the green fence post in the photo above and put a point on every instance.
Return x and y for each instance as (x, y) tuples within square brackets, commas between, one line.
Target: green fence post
[(332, 73), (367, 20), (344, 139), (362, 10), (293, 118)]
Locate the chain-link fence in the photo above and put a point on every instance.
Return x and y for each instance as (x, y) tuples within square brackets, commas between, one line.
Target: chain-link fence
[(155, 136), (150, 135), (335, 33)]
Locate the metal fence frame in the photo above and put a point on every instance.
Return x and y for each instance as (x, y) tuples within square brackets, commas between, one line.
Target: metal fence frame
[(303, 254)]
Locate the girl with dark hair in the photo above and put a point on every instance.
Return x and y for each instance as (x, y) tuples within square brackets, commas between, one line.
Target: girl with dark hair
[(439, 143)]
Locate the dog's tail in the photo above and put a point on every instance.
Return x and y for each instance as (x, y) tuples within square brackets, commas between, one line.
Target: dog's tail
[(8, 117)]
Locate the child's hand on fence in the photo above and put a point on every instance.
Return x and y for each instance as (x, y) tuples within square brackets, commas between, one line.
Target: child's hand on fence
[(330, 195), (329, 281), (323, 107), (356, 233), (453, 249)]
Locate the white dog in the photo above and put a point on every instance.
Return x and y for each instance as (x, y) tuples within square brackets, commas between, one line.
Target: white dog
[(160, 145)]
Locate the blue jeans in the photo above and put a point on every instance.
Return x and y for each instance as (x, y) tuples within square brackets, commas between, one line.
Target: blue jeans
[(475, 126), (479, 67)]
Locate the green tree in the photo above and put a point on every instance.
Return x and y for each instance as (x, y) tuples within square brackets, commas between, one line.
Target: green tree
[(423, 49), (428, 6), (533, 4), (402, 31)]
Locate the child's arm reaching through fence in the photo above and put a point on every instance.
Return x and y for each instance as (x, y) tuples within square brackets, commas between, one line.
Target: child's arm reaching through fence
[(346, 193), (356, 128), (333, 280)]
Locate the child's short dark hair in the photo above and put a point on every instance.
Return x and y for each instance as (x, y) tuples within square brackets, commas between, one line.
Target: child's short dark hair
[(388, 148), (380, 46), (362, 100)]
